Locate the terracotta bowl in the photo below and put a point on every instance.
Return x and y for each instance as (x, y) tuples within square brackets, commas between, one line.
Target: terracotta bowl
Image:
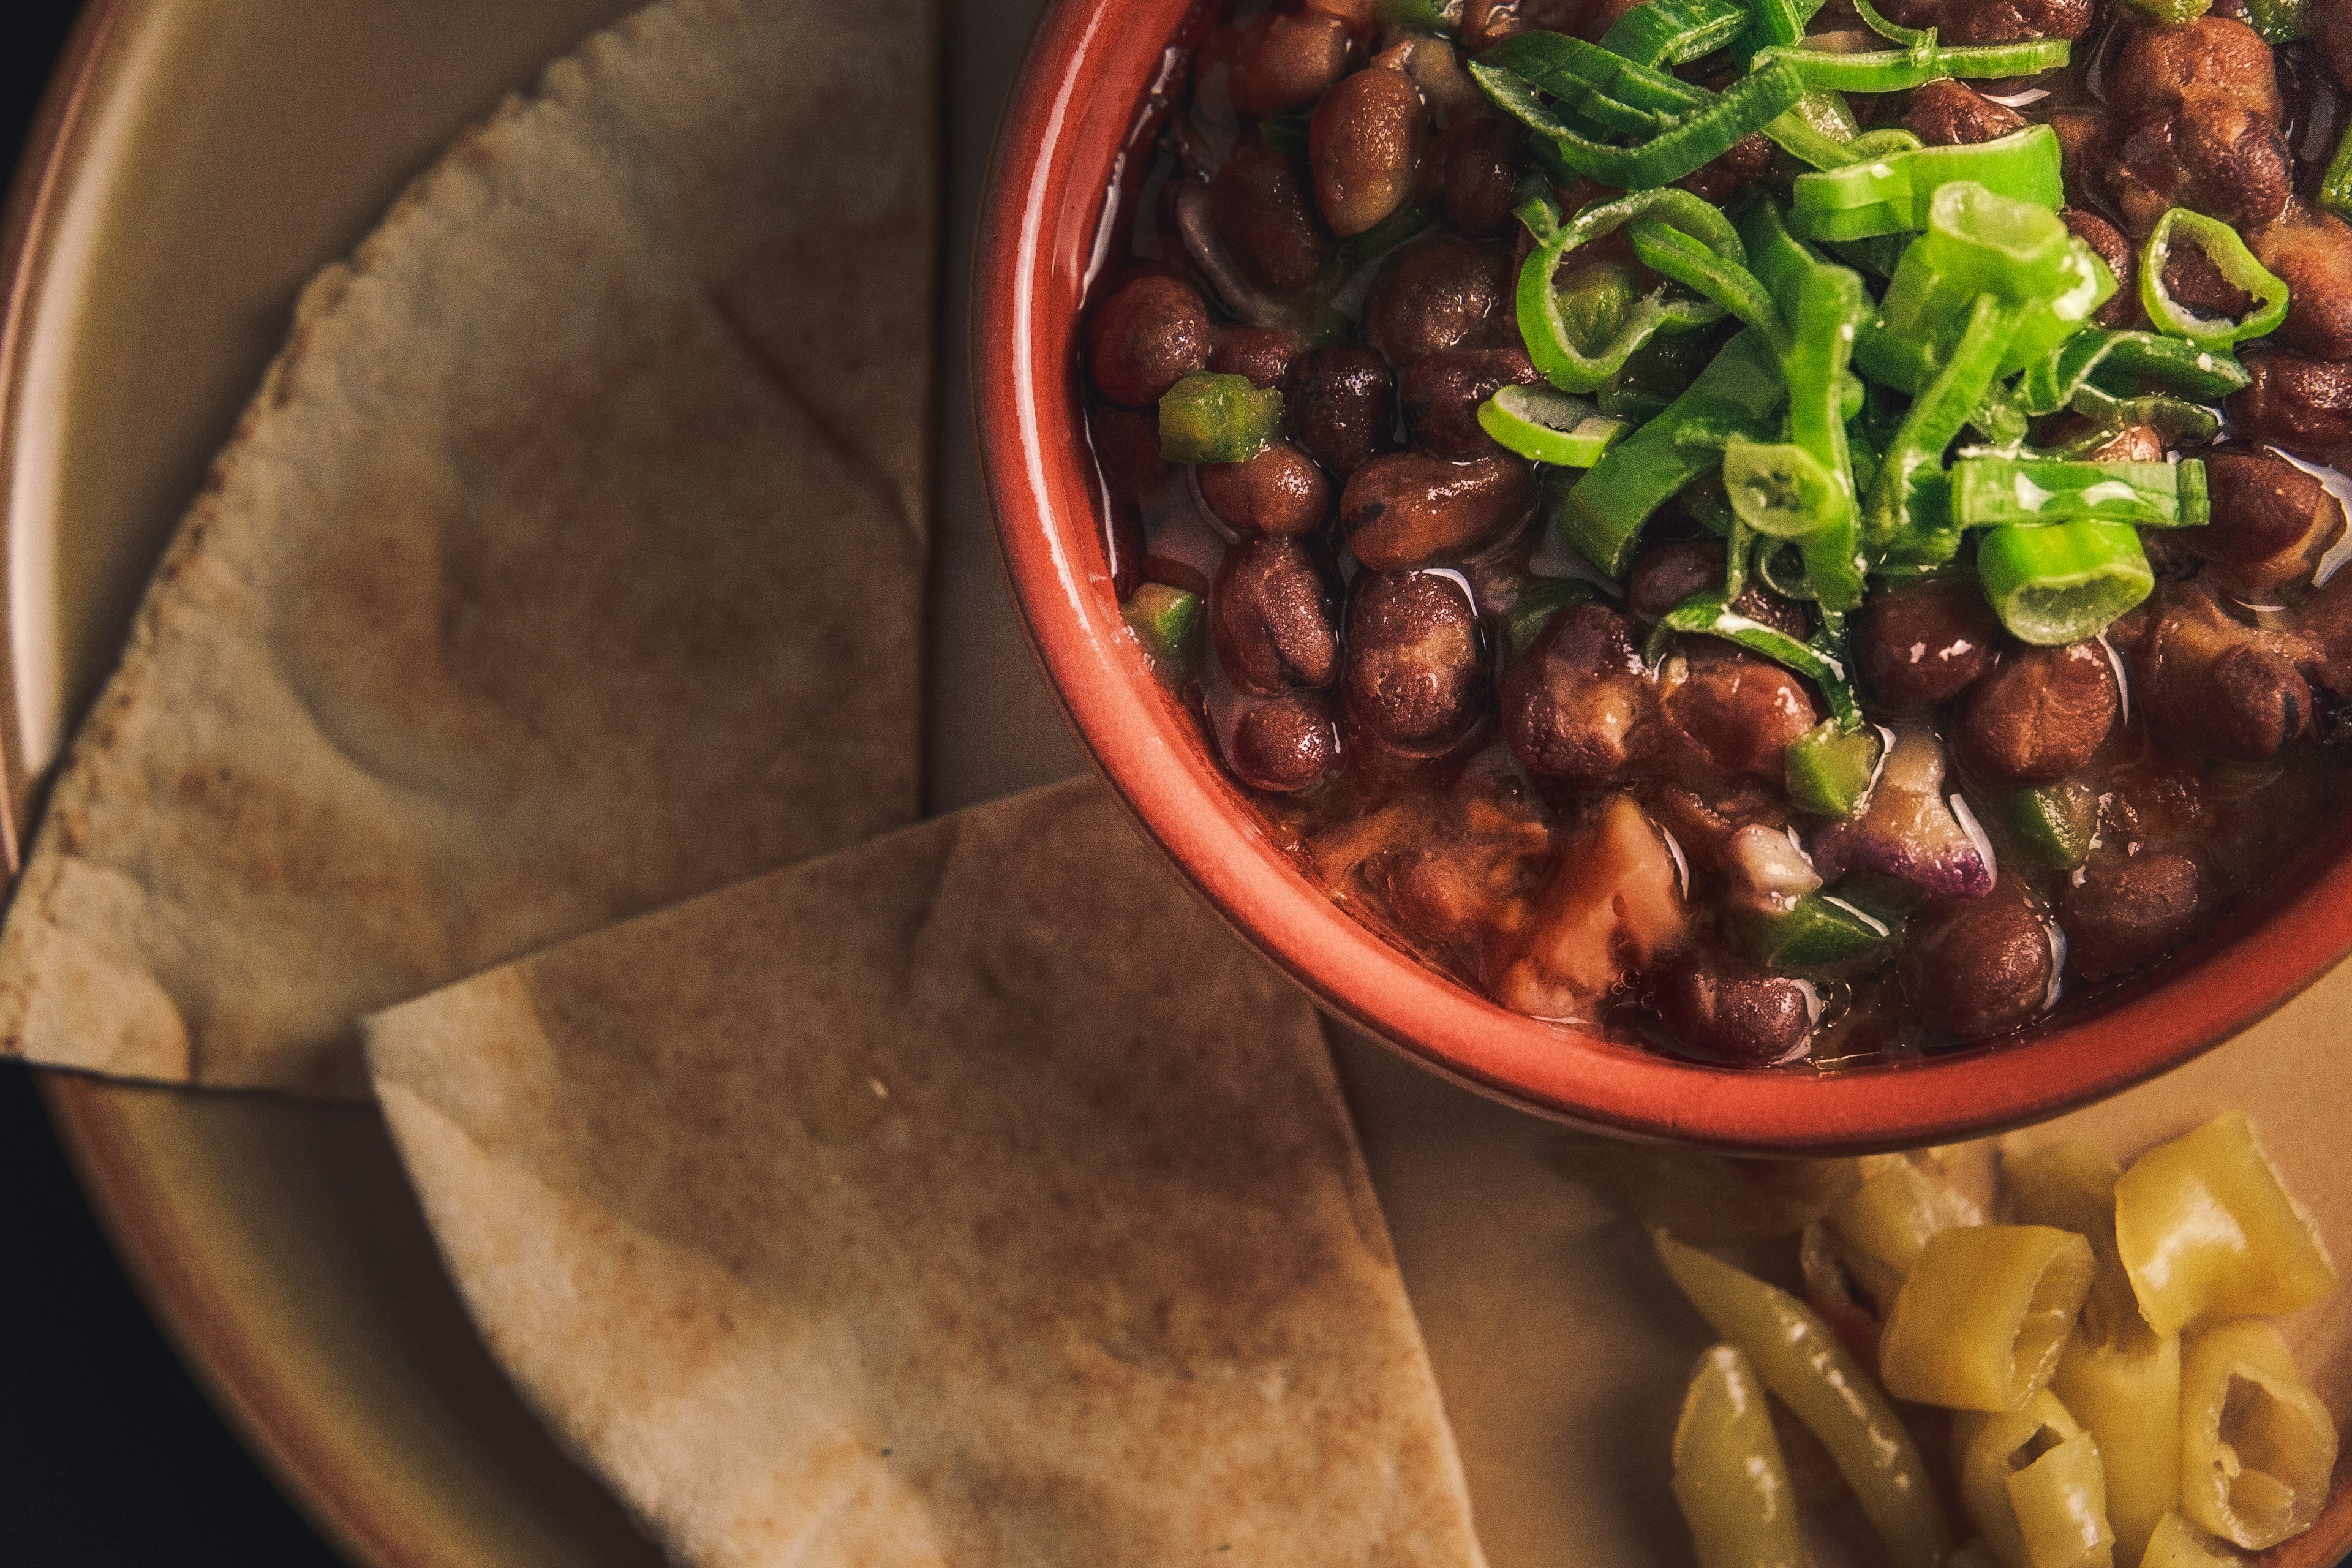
[(1068, 143)]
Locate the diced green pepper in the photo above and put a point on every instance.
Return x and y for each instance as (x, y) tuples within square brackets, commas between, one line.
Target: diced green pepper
[(2054, 823), (1208, 419), (1823, 934), (1167, 621), (1829, 768)]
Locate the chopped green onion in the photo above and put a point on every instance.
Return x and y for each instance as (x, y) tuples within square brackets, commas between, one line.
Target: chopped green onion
[(1897, 521), (1602, 514), (2054, 823), (1823, 934), (1711, 614), (1826, 305), (2030, 490), (1778, 490), (1914, 39), (1208, 419), (2237, 266), (2167, 13), (1894, 70), (2064, 583), (1557, 329), (1538, 604), (1675, 32), (1893, 191), (1829, 768), (1780, 22), (1675, 255), (2125, 364), (1167, 621), (1551, 426), (2174, 421), (1422, 16)]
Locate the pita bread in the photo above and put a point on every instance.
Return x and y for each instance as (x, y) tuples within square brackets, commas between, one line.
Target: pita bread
[(568, 564), (928, 1203)]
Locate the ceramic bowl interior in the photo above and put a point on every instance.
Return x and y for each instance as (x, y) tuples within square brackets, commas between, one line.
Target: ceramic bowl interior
[(1076, 136)]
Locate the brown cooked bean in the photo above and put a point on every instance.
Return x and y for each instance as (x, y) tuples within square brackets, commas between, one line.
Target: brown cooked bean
[(1411, 508), (2123, 911), (1950, 113), (2331, 38), (1739, 713), (1733, 1015), (1342, 402), (1364, 145), (1280, 491), (1746, 160), (1273, 614), (1440, 394), (2163, 67), (2132, 444), (1146, 338), (2217, 687), (2084, 152), (2002, 21), (1479, 160), (1286, 745), (1663, 575), (2194, 281), (1416, 672), (2115, 250), (1975, 967), (2311, 252), (2214, 155), (1262, 355), (1486, 22), (1448, 293), (1289, 60), (1126, 445), (2040, 714), (2270, 521), (1259, 206), (2304, 404), (1577, 705), (1916, 646)]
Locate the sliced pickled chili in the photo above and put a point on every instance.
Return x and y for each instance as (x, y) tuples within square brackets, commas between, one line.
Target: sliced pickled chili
[(1167, 621), (2026, 490), (2231, 258), (1823, 934), (1551, 426), (2054, 823), (2064, 582), (1208, 419), (1829, 768)]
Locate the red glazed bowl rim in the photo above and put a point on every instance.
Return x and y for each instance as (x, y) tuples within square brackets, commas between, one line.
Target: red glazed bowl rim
[(1090, 68)]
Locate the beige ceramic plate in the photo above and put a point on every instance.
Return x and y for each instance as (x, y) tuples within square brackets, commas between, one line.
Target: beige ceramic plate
[(202, 158)]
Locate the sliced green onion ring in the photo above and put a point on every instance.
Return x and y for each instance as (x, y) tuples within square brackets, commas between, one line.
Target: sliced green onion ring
[(1551, 426), (2026, 491), (2064, 583), (1542, 321), (1894, 70), (1779, 490), (2237, 266), (1892, 192)]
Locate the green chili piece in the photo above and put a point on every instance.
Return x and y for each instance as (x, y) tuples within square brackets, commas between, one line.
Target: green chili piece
[(1822, 935), (1892, 192), (1894, 70), (1551, 426), (2167, 13), (2029, 491), (1829, 305), (1556, 329), (2065, 582), (1167, 621), (1601, 515), (1777, 489), (1911, 473), (2336, 184), (1208, 419), (1829, 768), (2125, 364), (1675, 32), (2054, 823), (2172, 419), (2279, 21), (2237, 266), (1819, 130)]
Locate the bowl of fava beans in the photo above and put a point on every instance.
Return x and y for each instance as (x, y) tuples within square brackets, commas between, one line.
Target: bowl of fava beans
[(1747, 572)]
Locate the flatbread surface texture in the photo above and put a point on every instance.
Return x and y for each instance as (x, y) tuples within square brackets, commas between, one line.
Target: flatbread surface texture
[(568, 564), (970, 1197)]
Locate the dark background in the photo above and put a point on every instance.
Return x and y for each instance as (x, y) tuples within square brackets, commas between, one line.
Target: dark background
[(110, 1457)]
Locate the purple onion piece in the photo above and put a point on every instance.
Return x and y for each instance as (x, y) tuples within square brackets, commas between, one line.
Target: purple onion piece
[(1909, 831)]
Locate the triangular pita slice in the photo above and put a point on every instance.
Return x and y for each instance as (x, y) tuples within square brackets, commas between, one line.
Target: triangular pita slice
[(568, 564), (971, 1197)]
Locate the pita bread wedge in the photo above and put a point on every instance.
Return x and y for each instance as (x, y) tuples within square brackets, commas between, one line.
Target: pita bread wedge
[(968, 1197), (568, 564)]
